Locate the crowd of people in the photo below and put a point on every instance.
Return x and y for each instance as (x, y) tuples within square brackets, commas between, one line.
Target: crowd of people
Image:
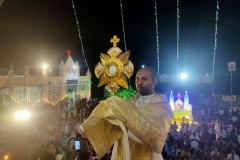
[(206, 139), (50, 130), (51, 134)]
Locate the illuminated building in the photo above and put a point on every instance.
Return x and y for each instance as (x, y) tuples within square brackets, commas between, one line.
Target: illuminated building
[(182, 111), (21, 86)]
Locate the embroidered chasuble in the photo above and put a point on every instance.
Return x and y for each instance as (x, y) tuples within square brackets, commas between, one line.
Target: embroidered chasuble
[(147, 118)]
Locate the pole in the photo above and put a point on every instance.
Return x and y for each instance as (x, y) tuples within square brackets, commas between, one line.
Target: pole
[(212, 84)]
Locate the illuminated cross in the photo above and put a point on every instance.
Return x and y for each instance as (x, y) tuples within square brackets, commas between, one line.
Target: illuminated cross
[(69, 52)]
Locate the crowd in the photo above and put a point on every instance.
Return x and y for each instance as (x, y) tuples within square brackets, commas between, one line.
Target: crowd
[(205, 139), (52, 131)]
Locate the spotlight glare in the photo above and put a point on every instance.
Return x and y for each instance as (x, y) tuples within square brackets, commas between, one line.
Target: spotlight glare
[(183, 75), (44, 66), (22, 115)]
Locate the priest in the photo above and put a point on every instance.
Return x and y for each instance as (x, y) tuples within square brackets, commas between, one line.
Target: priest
[(137, 127)]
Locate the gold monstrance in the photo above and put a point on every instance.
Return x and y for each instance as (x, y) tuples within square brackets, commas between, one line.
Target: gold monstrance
[(114, 68)]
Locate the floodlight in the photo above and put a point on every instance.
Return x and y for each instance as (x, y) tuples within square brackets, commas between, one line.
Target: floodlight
[(22, 115), (44, 66), (183, 75)]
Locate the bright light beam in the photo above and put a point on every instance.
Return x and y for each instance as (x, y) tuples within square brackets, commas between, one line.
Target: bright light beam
[(44, 66), (183, 75), (22, 115)]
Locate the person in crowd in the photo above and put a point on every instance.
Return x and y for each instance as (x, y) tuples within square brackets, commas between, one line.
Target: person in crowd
[(214, 153), (235, 156), (194, 126), (220, 142), (71, 130), (238, 138), (74, 154), (61, 141), (229, 156), (174, 125), (194, 140), (140, 123), (205, 138), (51, 148), (40, 147), (208, 147), (170, 150), (176, 136), (48, 156), (212, 132), (235, 128), (177, 151), (92, 155), (221, 132), (84, 150), (78, 121), (185, 140), (184, 129), (185, 153), (230, 145)]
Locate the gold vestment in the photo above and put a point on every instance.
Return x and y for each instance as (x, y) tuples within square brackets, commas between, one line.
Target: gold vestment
[(111, 119)]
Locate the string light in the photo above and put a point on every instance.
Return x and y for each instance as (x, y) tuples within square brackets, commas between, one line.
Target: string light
[(121, 4), (124, 35), (178, 28), (79, 33), (3, 80), (32, 85), (156, 21), (215, 43)]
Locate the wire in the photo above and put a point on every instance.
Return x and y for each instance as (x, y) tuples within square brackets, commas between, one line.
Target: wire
[(156, 21), (215, 44), (79, 33), (178, 37), (125, 43), (121, 4)]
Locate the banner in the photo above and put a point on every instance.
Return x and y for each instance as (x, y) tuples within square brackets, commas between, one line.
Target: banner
[(231, 66)]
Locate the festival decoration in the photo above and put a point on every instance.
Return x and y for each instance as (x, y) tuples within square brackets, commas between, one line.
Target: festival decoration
[(124, 37), (157, 35), (79, 33), (178, 28), (114, 68), (182, 111), (215, 43)]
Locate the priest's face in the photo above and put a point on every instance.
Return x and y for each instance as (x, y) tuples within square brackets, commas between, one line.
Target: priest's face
[(144, 82)]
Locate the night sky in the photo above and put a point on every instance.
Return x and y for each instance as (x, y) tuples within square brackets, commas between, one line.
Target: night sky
[(33, 32)]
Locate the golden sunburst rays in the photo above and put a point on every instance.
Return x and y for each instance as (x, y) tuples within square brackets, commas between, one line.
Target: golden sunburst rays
[(114, 68)]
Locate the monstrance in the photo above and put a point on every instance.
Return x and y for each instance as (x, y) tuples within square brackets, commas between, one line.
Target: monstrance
[(114, 68)]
